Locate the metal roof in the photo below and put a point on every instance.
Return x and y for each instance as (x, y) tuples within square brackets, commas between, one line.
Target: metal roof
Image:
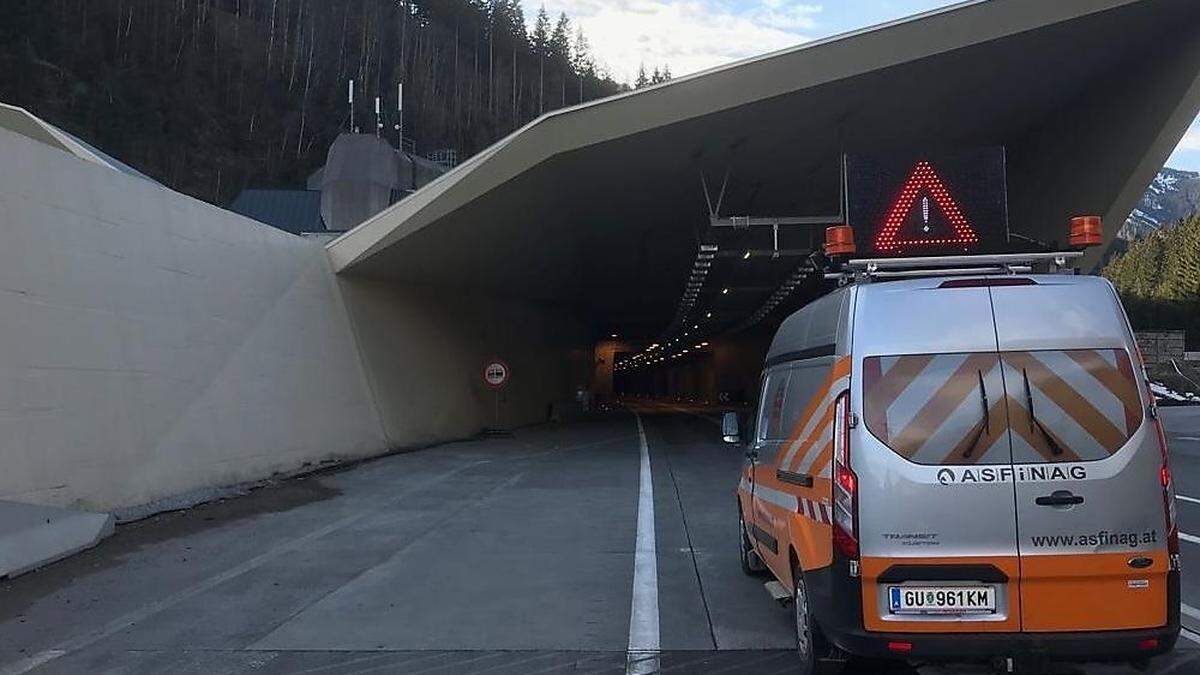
[(295, 211)]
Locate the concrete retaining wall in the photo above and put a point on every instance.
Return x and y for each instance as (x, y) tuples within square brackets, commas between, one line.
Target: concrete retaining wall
[(1161, 346), (152, 344), (154, 347), (425, 348)]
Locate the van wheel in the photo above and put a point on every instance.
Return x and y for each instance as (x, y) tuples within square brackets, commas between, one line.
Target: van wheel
[(816, 655), (752, 565)]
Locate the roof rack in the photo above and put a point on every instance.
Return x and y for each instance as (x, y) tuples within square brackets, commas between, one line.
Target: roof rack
[(866, 269)]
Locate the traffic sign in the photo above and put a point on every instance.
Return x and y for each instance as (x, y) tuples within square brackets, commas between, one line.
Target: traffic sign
[(496, 373), (938, 203)]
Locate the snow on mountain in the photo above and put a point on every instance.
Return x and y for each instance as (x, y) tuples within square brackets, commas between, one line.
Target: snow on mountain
[(1173, 196)]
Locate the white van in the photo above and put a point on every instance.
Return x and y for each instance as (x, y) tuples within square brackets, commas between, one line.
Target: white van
[(963, 468)]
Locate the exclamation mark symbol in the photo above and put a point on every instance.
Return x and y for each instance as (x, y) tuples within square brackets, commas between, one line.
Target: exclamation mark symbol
[(925, 212)]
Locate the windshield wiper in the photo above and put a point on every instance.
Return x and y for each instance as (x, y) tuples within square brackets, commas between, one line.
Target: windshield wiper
[(1055, 448), (987, 418)]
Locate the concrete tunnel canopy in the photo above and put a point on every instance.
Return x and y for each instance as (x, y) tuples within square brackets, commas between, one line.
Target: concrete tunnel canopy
[(600, 207)]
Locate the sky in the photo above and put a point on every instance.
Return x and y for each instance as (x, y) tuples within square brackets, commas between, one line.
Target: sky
[(691, 35)]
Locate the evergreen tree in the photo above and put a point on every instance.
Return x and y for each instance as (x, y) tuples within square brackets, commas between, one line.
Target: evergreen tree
[(539, 40), (582, 62), (560, 41), (1180, 276), (642, 80), (1158, 279), (209, 97)]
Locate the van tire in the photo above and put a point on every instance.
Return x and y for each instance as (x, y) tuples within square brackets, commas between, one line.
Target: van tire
[(752, 565), (816, 655)]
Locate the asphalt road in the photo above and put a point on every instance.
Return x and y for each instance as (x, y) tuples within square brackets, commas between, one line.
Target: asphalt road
[(518, 555), (1182, 425)]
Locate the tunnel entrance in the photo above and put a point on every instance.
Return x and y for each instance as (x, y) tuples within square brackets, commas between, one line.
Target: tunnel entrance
[(687, 213)]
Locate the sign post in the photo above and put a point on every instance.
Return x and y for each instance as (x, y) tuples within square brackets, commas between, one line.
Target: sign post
[(495, 375)]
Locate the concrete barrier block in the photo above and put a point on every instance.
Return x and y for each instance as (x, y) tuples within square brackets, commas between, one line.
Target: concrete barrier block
[(33, 536)]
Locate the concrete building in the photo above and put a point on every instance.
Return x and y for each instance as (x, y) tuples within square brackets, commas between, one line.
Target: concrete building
[(362, 176), (161, 346)]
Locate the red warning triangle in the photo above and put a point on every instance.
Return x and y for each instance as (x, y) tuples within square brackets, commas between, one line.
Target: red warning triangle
[(924, 181)]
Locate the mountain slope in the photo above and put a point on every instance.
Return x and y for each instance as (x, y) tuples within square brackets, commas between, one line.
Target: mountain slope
[(1173, 196), (212, 96)]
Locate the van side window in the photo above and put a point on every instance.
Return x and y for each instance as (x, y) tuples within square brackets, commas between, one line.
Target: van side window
[(806, 382), (772, 407), (1085, 403)]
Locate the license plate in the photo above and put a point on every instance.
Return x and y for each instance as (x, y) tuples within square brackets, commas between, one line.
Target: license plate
[(942, 599)]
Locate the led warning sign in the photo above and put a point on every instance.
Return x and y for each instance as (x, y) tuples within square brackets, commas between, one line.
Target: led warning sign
[(948, 203)]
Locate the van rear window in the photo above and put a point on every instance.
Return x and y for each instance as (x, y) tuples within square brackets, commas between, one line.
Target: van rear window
[(1072, 405), (938, 408), (1054, 405)]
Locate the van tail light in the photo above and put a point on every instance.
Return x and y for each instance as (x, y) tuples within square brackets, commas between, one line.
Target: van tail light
[(1168, 491), (845, 483)]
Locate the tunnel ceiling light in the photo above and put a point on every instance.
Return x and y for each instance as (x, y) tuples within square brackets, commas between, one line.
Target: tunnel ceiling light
[(724, 291), (703, 344), (746, 255)]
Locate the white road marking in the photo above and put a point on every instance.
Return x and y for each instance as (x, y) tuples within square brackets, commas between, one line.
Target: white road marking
[(1185, 633), (1187, 438), (642, 655), (29, 663), (1188, 610), (1190, 538), (1187, 499)]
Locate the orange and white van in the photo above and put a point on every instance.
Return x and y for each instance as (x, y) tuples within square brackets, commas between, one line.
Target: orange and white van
[(972, 456)]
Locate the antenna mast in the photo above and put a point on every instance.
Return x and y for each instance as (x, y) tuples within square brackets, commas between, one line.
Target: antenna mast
[(350, 98), (400, 116)]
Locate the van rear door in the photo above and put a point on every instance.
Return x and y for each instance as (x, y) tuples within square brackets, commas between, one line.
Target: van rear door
[(933, 460), (1090, 518)]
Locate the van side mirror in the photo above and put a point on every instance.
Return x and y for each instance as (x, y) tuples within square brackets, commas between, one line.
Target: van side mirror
[(729, 428)]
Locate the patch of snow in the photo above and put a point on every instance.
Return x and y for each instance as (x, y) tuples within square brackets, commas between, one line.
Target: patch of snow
[(1163, 393)]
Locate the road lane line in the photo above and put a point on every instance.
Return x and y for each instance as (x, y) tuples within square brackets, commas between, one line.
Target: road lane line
[(1187, 499), (1187, 438), (642, 655), (1185, 633), (1188, 610), (1190, 538), (27, 664)]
